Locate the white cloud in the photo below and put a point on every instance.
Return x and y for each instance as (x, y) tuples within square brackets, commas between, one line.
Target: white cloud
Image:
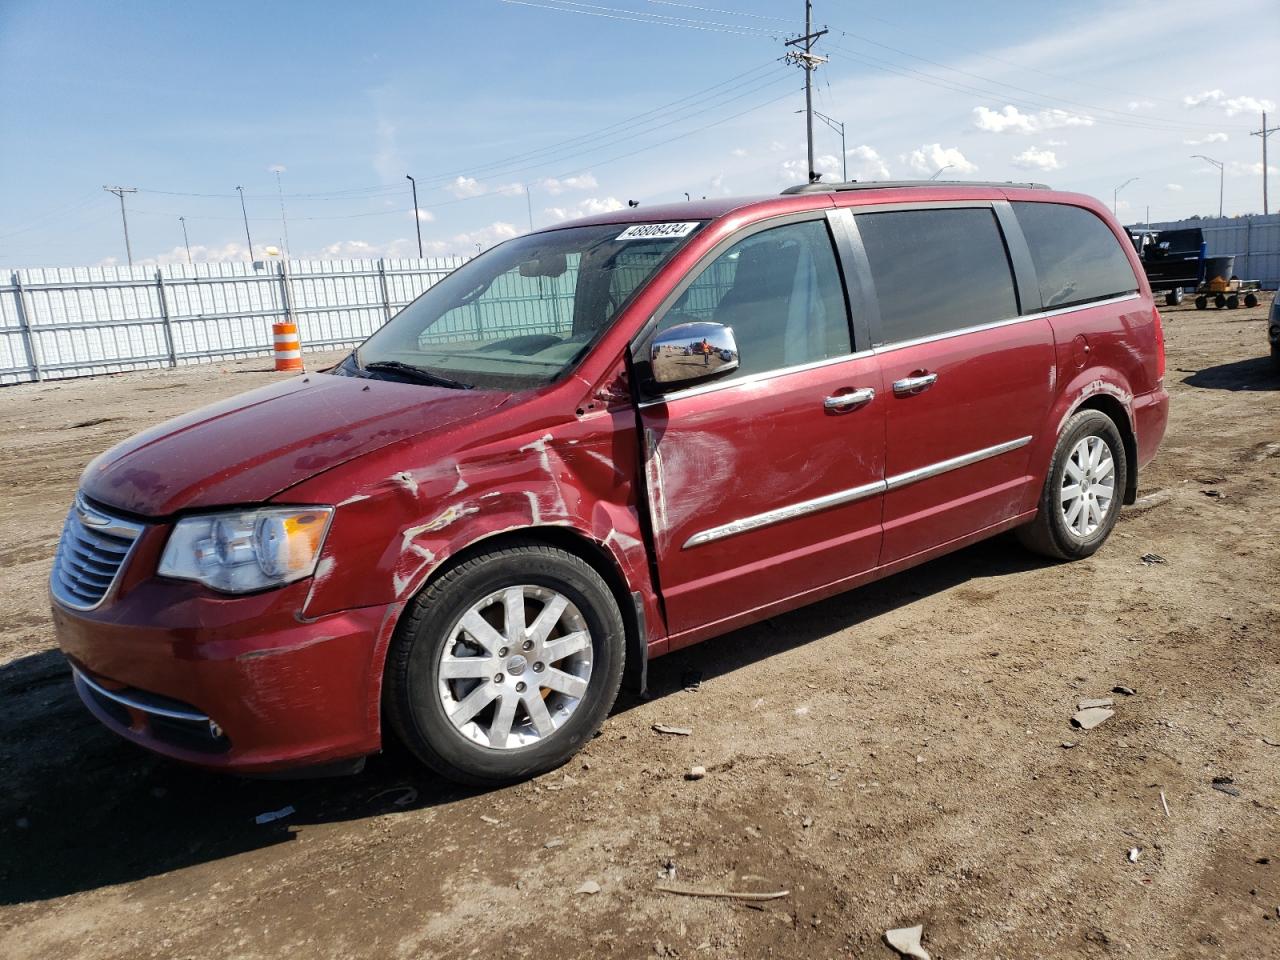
[(463, 187), (866, 164), (929, 158), (1207, 138), (587, 208), (425, 216), (827, 165), (1232, 105), (582, 181), (793, 171), (1238, 169), (509, 189), (493, 233), (1012, 120), (1140, 104), (1036, 159), (738, 152), (1055, 143), (1173, 187)]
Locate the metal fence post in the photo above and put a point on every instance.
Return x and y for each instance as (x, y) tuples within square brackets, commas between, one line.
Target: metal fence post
[(24, 322), (386, 297), (164, 316), (285, 295)]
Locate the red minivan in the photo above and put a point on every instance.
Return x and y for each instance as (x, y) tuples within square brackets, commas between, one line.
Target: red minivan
[(598, 443)]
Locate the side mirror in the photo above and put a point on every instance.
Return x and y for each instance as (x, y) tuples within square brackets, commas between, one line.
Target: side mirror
[(691, 352)]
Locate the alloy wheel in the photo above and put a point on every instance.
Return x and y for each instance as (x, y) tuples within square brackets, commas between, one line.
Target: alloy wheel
[(1088, 486), (515, 667)]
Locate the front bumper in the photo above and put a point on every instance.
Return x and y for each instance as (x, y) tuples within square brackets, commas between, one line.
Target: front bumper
[(230, 683)]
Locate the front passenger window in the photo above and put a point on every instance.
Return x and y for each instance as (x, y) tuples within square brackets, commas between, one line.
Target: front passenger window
[(780, 291)]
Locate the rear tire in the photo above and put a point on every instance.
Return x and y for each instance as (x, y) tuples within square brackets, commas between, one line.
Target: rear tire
[(460, 641), (1202, 303), (1081, 499), (1250, 300)]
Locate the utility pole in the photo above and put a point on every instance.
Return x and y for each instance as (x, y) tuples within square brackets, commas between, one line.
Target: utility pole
[(1221, 170), (183, 221), (417, 221), (528, 199), (809, 62), (120, 192), (244, 213), (284, 221), (1264, 133)]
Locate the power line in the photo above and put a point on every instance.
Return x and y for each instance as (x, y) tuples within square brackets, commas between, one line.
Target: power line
[(1150, 122), (630, 123), (944, 83), (638, 16), (737, 13)]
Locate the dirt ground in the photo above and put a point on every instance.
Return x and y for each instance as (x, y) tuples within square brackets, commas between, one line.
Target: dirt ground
[(893, 756)]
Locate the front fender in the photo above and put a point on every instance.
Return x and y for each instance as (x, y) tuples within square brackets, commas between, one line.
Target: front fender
[(390, 535)]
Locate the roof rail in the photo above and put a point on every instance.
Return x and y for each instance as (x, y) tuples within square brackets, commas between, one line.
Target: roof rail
[(899, 184)]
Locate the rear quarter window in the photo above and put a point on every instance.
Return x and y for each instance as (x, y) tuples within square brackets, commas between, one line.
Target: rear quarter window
[(1077, 257)]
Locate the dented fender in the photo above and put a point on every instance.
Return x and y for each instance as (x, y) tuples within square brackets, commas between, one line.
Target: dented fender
[(579, 476)]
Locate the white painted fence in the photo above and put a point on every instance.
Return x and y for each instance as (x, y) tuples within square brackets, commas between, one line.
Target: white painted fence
[(81, 321)]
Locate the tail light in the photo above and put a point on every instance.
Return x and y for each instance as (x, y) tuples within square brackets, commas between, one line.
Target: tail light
[(1155, 318)]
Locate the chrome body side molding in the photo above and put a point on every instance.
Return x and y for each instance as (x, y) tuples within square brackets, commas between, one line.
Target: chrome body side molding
[(840, 497)]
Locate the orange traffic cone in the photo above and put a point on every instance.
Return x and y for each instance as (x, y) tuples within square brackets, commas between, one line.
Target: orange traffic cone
[(288, 346)]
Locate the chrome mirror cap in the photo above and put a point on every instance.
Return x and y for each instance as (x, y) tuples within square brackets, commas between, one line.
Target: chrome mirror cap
[(691, 352)]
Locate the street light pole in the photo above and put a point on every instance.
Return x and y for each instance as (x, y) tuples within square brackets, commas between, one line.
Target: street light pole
[(244, 213), (937, 173), (417, 221), (836, 125), (1221, 170), (1115, 196), (185, 241)]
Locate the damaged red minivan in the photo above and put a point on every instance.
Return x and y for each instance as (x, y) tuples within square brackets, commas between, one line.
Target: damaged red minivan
[(598, 443)]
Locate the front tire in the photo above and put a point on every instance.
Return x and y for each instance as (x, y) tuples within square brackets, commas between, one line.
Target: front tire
[(506, 665), (1083, 489)]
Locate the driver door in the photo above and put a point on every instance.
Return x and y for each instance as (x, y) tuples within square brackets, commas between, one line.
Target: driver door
[(765, 486)]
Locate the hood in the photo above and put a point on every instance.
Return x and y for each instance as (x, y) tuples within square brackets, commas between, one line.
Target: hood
[(248, 448)]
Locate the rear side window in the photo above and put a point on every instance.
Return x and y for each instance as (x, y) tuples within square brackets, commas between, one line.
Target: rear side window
[(1077, 257), (937, 271)]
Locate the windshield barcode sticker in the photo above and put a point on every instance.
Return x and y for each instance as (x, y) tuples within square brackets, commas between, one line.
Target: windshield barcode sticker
[(651, 231)]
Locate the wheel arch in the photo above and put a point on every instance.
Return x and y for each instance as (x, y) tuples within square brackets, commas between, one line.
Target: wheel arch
[(591, 552), (1116, 412)]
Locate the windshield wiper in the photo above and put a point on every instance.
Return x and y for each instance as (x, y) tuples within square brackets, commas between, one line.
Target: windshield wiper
[(421, 374)]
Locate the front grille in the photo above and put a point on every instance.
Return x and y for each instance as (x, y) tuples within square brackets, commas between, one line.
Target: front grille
[(90, 555)]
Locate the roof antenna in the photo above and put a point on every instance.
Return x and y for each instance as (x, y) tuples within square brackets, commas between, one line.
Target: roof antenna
[(633, 203)]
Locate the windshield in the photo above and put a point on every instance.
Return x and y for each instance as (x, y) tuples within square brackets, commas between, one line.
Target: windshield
[(523, 313)]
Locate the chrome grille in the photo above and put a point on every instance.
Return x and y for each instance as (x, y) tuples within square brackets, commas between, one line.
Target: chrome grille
[(90, 556)]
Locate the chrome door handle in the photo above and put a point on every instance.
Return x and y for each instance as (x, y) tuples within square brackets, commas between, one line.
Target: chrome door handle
[(844, 401), (912, 385)]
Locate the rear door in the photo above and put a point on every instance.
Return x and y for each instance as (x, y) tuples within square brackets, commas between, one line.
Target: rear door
[(968, 373), (765, 485)]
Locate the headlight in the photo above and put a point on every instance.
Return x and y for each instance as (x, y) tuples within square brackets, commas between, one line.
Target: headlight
[(240, 551)]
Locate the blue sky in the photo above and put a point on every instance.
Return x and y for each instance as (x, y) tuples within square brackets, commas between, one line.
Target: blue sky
[(498, 106)]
